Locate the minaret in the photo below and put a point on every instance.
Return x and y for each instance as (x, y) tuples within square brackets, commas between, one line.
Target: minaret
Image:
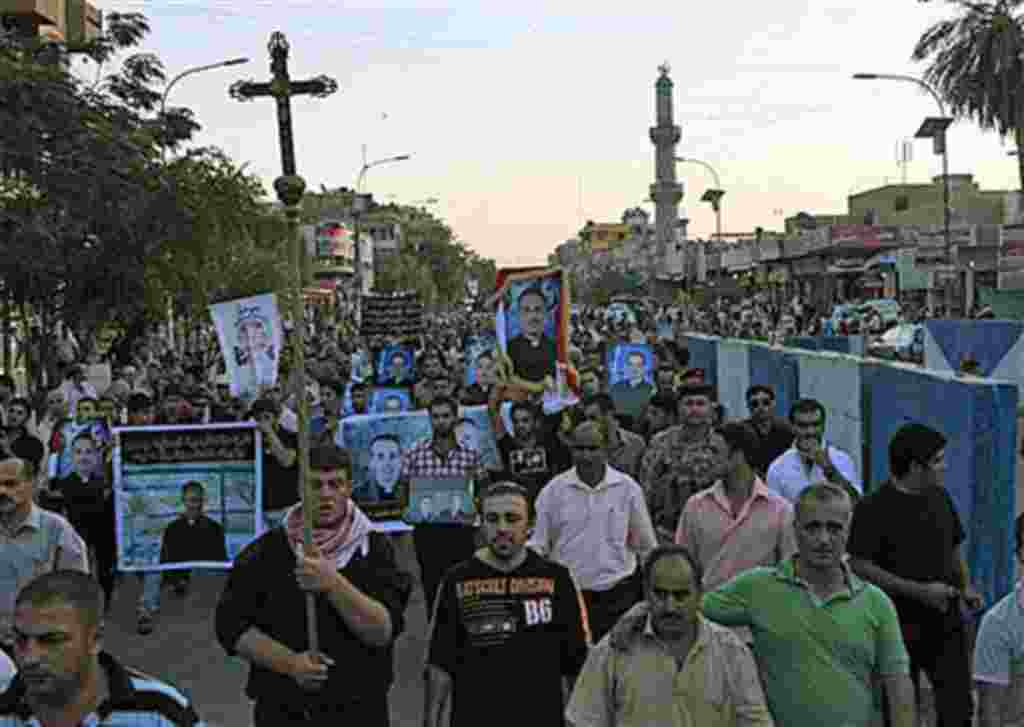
[(666, 192)]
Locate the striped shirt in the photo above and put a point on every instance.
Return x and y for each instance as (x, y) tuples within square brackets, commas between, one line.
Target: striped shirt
[(136, 700)]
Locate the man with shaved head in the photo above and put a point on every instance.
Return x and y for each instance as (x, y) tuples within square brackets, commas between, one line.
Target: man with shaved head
[(593, 519)]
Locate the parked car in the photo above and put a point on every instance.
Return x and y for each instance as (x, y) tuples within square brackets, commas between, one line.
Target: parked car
[(887, 308), (901, 343)]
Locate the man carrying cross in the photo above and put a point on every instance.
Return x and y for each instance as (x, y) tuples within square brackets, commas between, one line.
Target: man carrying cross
[(360, 599)]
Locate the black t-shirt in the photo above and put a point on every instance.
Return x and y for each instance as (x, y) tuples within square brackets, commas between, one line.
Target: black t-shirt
[(533, 363), (911, 536), (280, 484), (778, 439), (533, 467), (494, 631), (202, 540)]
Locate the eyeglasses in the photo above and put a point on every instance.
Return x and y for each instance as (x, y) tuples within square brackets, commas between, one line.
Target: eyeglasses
[(759, 401)]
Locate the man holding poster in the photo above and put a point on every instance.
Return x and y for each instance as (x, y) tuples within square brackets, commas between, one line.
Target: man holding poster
[(251, 337)]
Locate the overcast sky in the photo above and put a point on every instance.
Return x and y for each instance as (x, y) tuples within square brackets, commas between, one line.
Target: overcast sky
[(525, 119)]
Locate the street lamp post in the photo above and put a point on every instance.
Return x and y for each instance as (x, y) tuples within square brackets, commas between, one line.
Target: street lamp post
[(189, 72), (714, 196), (360, 205), (934, 128)]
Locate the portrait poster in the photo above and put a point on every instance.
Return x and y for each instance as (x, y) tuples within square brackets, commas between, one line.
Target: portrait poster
[(480, 352), (396, 366), (441, 501), (531, 326), (388, 400), (163, 521), (251, 336), (79, 447), (630, 369), (377, 443)]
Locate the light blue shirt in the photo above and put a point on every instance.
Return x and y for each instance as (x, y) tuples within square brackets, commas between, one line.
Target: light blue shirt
[(788, 476)]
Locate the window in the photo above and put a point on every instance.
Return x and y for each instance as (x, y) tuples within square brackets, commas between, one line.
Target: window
[(901, 203)]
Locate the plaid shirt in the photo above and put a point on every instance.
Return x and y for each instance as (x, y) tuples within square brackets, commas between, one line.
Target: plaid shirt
[(461, 462)]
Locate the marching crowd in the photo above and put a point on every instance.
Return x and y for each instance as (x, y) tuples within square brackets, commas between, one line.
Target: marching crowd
[(656, 563)]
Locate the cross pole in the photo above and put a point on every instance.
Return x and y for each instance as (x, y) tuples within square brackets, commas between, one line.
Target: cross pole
[(290, 188)]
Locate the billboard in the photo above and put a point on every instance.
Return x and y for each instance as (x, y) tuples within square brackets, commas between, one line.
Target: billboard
[(334, 239)]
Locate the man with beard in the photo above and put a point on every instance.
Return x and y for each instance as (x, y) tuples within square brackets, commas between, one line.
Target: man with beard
[(671, 666), (530, 455), (359, 395), (500, 609), (811, 459), (774, 434), (360, 601), (593, 520), (65, 677), (681, 460), (625, 449), (439, 547)]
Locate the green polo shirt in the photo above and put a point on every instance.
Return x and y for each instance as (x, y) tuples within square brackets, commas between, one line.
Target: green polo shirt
[(819, 660)]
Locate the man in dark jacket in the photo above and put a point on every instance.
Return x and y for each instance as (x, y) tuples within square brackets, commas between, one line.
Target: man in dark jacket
[(361, 596)]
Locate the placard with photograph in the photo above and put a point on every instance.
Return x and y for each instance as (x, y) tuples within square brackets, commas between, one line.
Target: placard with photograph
[(532, 325), (440, 501), (631, 377), (390, 400), (377, 442), (481, 359), (186, 496), (396, 366)]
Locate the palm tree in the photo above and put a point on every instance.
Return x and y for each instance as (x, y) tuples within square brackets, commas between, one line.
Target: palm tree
[(976, 66)]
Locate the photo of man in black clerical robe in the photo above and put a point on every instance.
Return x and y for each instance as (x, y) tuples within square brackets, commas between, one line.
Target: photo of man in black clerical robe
[(193, 536), (533, 354)]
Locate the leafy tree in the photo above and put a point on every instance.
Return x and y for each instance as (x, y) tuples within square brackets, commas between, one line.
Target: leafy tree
[(975, 65), (84, 203)]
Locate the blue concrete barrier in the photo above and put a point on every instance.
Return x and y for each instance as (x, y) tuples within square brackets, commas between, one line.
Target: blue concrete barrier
[(997, 346), (868, 400)]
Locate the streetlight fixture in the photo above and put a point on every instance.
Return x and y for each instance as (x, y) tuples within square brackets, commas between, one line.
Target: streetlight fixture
[(361, 205), (712, 196), (934, 128), (189, 72)]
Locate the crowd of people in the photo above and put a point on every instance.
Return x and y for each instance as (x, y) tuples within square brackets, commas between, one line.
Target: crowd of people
[(640, 559)]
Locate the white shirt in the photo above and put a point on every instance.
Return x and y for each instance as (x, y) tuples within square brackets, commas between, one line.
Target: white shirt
[(788, 476), (596, 532), (999, 653)]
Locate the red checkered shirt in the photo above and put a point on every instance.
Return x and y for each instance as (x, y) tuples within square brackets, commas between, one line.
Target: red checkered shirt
[(422, 461)]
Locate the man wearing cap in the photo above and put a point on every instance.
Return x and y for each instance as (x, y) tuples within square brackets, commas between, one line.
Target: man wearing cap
[(906, 538)]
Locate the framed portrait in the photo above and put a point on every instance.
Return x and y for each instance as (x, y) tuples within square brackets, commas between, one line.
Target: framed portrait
[(631, 368), (445, 501), (390, 400), (532, 325), (186, 497), (396, 367), (481, 359), (250, 334)]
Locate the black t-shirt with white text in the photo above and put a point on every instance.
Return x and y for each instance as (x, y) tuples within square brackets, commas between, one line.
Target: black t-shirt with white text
[(523, 630)]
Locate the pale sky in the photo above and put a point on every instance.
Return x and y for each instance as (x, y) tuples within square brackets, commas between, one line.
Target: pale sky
[(525, 119)]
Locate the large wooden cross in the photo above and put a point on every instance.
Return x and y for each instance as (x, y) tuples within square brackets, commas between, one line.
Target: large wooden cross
[(290, 188)]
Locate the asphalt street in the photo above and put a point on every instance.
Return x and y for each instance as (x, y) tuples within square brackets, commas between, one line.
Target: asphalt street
[(183, 650)]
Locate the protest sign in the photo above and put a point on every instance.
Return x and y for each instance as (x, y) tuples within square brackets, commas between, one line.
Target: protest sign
[(385, 315), (630, 377), (396, 366), (186, 497), (389, 400), (378, 441), (480, 352), (443, 501), (251, 336)]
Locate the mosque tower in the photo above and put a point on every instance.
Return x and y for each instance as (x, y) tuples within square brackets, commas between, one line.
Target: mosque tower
[(666, 192)]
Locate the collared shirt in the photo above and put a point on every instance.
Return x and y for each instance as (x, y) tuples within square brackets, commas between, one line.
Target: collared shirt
[(999, 653), (788, 476), (422, 460), (642, 685), (760, 534), (818, 658), (136, 700), (626, 454), (44, 542), (596, 532)]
